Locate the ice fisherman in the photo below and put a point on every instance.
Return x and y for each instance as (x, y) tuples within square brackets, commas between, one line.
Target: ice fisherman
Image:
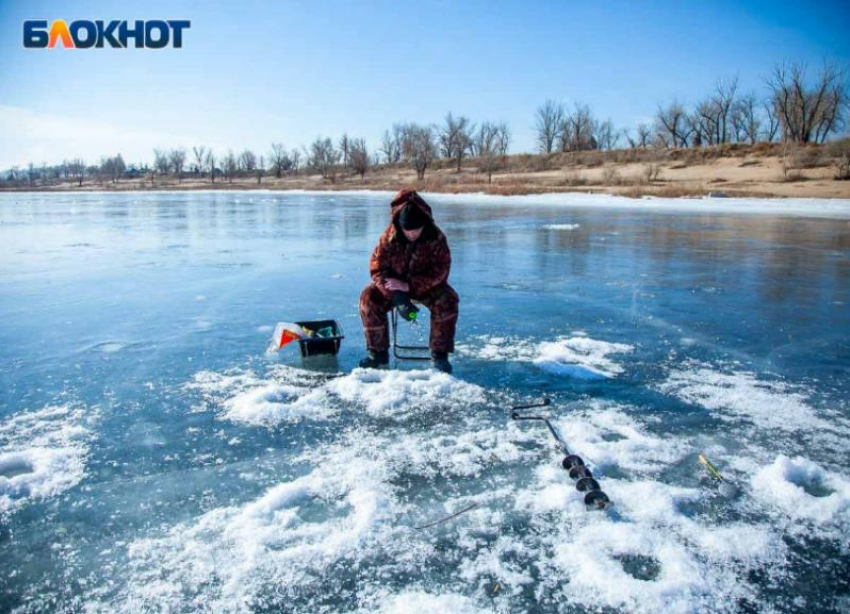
[(410, 263)]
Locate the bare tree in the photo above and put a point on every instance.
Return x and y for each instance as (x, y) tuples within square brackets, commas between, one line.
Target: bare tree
[(176, 160), (278, 159), (391, 144), (643, 132), (78, 169), (230, 166), (577, 130), (702, 124), (503, 138), (118, 167), (455, 138), (358, 157), (808, 113), (113, 167), (260, 169), (323, 157), (723, 101), (344, 148), (491, 145), (419, 147), (210, 163), (746, 120), (772, 121), (651, 171), (200, 153), (607, 137), (247, 162), (549, 121), (295, 158), (160, 162), (670, 125)]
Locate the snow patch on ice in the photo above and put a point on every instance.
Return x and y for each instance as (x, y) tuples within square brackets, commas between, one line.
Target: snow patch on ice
[(803, 490), (577, 356), (352, 517), (651, 554), (257, 555), (464, 454), (42, 454), (581, 357), (562, 226), (288, 394), (653, 557), (421, 602), (741, 395), (391, 393), (608, 436), (492, 347), (593, 563)]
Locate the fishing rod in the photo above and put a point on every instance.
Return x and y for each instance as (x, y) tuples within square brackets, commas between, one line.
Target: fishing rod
[(447, 518), (594, 499), (725, 487)]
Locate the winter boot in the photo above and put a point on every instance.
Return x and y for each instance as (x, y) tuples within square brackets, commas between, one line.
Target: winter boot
[(441, 362), (375, 360)]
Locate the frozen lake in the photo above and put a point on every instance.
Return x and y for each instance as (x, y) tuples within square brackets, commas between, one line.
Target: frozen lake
[(154, 459)]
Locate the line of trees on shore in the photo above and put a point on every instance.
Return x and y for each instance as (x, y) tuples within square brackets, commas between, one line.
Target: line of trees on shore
[(797, 108)]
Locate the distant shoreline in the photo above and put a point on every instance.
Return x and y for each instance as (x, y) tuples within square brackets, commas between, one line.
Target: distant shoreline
[(759, 171)]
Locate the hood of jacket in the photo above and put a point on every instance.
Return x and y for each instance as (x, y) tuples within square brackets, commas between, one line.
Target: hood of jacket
[(409, 196)]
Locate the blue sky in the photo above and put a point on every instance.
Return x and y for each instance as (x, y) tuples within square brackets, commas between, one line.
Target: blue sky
[(255, 72)]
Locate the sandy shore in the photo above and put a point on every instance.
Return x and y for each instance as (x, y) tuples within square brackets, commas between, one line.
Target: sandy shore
[(743, 172)]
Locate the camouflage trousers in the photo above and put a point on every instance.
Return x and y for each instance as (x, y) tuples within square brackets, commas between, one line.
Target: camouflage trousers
[(442, 302)]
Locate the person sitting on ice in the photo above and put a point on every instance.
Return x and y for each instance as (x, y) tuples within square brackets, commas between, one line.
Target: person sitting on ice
[(410, 263)]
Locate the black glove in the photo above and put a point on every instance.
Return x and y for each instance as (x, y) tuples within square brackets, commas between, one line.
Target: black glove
[(406, 309)]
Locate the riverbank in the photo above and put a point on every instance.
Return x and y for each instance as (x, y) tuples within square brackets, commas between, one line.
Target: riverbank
[(761, 171)]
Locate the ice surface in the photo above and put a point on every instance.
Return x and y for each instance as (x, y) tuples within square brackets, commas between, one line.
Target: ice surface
[(809, 207), (42, 453), (353, 510), (217, 479)]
